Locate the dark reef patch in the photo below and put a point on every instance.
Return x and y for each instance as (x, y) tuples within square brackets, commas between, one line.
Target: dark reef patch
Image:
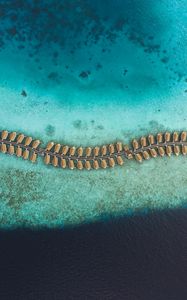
[(165, 60), (12, 31), (77, 124), (155, 126), (50, 130), (23, 93), (120, 23), (84, 74), (54, 76), (98, 66), (125, 72)]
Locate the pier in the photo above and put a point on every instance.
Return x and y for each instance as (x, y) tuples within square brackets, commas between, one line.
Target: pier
[(88, 158)]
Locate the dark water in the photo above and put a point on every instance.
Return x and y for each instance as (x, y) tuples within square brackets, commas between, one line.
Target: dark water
[(144, 257)]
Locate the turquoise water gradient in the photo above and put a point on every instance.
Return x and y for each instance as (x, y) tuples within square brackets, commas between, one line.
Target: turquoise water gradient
[(89, 73)]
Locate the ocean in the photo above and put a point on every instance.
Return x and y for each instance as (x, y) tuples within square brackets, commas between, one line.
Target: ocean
[(134, 258), (88, 73)]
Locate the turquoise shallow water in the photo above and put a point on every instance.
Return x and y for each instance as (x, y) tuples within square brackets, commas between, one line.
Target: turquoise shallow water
[(91, 75)]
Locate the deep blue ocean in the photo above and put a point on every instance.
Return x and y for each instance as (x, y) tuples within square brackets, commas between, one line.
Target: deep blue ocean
[(136, 258), (90, 71)]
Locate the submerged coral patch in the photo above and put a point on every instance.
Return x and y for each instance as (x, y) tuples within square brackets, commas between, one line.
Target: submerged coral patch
[(50, 129)]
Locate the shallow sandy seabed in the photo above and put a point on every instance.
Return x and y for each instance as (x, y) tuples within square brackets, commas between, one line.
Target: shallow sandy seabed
[(36, 195)]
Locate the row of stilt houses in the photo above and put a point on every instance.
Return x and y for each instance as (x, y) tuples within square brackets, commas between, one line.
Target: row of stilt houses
[(104, 156)]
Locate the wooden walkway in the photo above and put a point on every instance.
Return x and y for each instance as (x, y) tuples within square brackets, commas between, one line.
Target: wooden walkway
[(88, 158)]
